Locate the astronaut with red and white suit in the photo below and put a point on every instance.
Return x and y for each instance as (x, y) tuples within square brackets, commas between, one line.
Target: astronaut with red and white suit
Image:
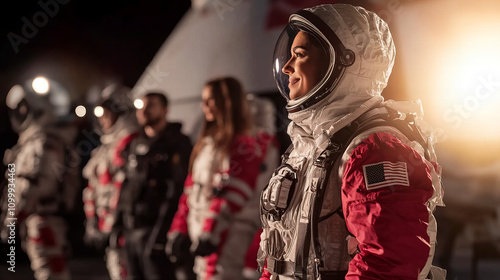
[(105, 176), (354, 196), (225, 164), (45, 176)]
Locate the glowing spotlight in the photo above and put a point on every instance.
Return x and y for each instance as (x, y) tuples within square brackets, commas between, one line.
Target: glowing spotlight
[(41, 85), (457, 77), (80, 111), (138, 103), (98, 111), (468, 84)]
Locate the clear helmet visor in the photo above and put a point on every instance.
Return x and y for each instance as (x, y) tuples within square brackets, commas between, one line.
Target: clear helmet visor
[(302, 62), (107, 113), (20, 112), (20, 116), (111, 105)]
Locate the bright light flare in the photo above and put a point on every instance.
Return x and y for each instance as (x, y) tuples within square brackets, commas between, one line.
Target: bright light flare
[(468, 85), (41, 85), (80, 111), (98, 111), (455, 69), (465, 66), (138, 103)]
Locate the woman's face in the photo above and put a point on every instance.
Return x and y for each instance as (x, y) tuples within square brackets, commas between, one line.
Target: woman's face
[(107, 120), (306, 67), (208, 104)]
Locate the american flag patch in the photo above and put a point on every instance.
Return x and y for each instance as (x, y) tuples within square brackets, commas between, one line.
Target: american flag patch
[(385, 174)]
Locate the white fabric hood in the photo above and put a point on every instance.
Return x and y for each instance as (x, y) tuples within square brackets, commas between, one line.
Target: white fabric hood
[(368, 36)]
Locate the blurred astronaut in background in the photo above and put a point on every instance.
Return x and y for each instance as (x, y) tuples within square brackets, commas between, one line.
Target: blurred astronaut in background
[(45, 178), (117, 126)]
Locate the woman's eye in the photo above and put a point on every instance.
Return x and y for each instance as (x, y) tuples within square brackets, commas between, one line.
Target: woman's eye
[(299, 54)]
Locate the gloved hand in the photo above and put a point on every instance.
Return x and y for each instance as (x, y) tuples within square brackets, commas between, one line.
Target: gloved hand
[(177, 248), (352, 245), (93, 236), (203, 247)]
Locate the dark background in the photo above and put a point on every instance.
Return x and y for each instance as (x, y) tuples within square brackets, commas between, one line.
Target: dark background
[(80, 43)]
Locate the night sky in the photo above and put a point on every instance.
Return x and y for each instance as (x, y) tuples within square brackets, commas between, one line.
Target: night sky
[(80, 42)]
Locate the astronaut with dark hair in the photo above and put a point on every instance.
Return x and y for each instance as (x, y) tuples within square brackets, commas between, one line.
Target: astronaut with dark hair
[(155, 166), (355, 193)]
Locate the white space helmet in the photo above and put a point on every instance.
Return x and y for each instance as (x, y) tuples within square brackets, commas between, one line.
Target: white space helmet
[(334, 49), (116, 98), (39, 101)]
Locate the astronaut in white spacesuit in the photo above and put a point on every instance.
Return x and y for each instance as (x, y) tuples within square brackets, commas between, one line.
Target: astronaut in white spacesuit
[(45, 181)]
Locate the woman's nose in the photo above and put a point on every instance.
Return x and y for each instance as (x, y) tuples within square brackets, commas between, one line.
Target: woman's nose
[(288, 69)]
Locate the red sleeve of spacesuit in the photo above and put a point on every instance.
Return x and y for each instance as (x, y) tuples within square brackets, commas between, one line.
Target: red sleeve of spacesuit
[(179, 223), (118, 160), (386, 185), (238, 186)]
